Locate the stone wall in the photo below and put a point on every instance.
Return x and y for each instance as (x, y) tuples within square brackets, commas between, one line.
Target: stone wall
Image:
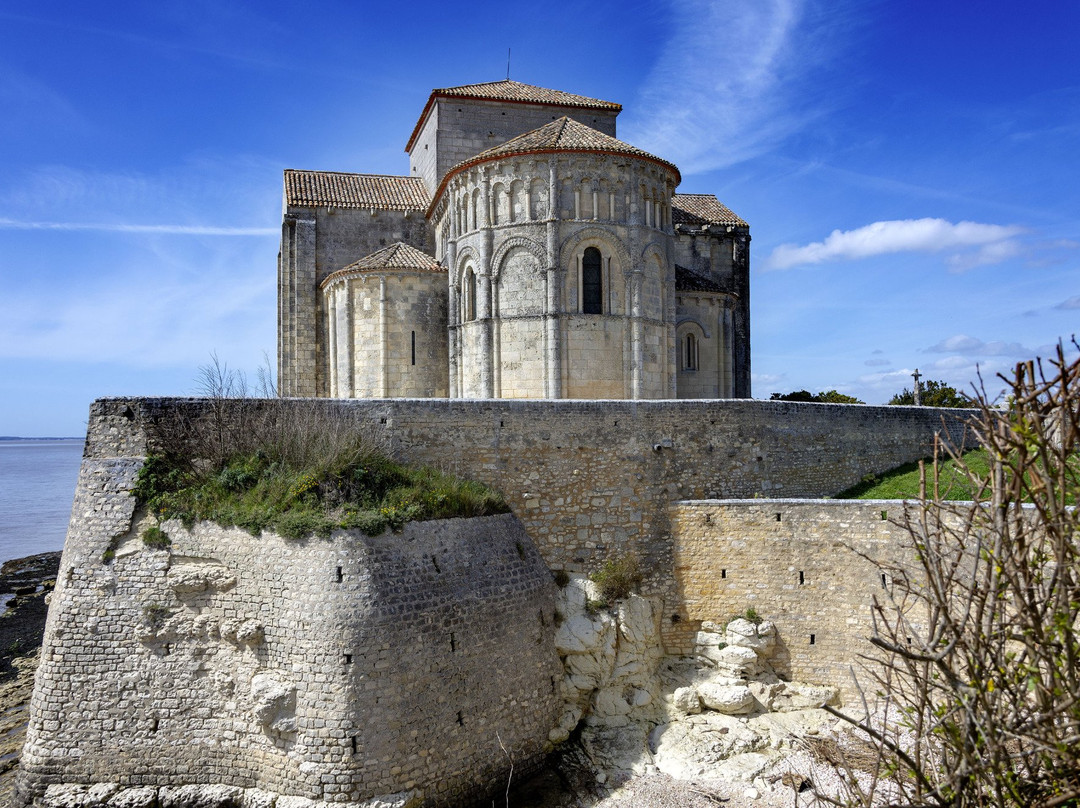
[(809, 566), (335, 670), (590, 479)]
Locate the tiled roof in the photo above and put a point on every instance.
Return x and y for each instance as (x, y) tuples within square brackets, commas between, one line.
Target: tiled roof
[(686, 280), (513, 92), (314, 188), (561, 135), (396, 256), (699, 209), (507, 90)]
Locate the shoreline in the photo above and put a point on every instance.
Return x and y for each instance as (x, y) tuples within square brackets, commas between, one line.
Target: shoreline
[(30, 579)]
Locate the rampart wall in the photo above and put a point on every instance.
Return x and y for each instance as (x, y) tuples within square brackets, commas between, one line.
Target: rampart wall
[(228, 667), (590, 479), (809, 566)]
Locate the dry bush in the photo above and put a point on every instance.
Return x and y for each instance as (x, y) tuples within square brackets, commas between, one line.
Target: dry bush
[(973, 690)]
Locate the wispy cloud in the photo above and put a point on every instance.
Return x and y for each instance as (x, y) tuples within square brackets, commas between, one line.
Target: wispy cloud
[(726, 86), (1071, 303), (169, 229), (970, 346), (898, 236)]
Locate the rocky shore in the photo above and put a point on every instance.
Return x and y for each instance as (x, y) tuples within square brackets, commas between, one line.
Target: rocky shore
[(24, 585)]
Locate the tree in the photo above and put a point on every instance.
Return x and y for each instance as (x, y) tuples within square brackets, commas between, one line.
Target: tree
[(976, 655), (828, 397), (933, 394)]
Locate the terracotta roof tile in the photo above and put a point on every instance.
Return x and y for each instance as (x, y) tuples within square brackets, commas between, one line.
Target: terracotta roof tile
[(686, 280), (399, 256), (699, 209), (512, 92), (313, 188), (561, 135), (507, 90)]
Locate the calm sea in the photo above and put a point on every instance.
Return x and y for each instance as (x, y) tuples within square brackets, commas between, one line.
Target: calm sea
[(37, 484)]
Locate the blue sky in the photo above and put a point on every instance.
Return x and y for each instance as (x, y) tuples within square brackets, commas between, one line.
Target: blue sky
[(908, 169)]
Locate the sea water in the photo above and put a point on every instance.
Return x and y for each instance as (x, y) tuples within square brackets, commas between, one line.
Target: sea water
[(37, 485)]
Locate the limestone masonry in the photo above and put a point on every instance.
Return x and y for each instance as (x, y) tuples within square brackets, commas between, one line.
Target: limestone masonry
[(411, 669), (528, 254)]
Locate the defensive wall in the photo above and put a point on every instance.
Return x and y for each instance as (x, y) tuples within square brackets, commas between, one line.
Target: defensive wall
[(591, 479), (812, 567), (350, 668)]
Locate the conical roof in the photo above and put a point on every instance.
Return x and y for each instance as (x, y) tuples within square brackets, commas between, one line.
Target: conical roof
[(560, 136), (399, 256)]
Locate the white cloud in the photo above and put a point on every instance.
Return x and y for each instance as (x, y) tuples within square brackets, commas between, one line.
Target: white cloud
[(166, 229), (896, 236), (1071, 303), (731, 81), (986, 255), (970, 346)]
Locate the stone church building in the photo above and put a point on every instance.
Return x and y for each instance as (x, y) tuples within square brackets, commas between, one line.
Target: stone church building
[(529, 253)]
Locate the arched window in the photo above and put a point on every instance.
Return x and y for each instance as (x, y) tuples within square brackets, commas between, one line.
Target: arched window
[(690, 352), (592, 282), (468, 298)]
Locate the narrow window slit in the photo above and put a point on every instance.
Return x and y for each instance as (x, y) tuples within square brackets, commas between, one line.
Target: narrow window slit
[(352, 742), (453, 643), (777, 517), (340, 575), (812, 639), (723, 573), (414, 347), (802, 578), (348, 659), (460, 719)]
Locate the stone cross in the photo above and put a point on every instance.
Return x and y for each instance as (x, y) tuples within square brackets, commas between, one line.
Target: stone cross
[(916, 375)]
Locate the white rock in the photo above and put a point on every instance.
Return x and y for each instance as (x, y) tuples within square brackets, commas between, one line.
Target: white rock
[(802, 696), (200, 796), (737, 662), (761, 638), (687, 700), (144, 797), (639, 622), (727, 699), (273, 702), (579, 635), (79, 796), (752, 794), (257, 798), (610, 701)]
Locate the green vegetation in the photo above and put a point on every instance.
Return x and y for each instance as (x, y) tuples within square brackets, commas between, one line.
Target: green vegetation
[(156, 538), (958, 481), (933, 394), (828, 397), (902, 482), (617, 578), (354, 488)]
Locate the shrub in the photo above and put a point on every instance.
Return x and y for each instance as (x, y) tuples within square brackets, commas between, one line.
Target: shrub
[(296, 467), (617, 578), (156, 538)]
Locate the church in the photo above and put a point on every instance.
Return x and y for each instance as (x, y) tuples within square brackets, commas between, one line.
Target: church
[(529, 253)]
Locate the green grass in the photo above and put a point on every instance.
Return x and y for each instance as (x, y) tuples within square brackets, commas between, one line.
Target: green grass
[(903, 481), (353, 488)]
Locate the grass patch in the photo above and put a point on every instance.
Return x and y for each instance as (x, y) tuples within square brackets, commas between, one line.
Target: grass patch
[(297, 496), (156, 538), (902, 482), (617, 578)]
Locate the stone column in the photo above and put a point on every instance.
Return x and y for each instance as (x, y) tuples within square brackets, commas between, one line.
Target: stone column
[(383, 380), (453, 308), (483, 302), (553, 305)]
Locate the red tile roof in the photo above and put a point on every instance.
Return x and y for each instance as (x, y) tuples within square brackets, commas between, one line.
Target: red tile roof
[(381, 192), (512, 92), (699, 209), (399, 256)]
